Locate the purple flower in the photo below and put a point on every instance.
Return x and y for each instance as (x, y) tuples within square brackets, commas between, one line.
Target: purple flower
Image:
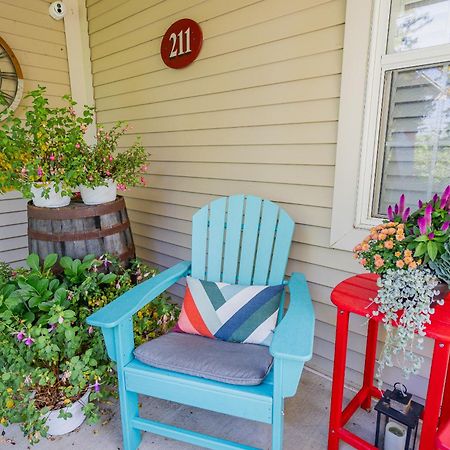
[(445, 197), (405, 214), (40, 172), (90, 330), (51, 327), (420, 203), (401, 207), (29, 341), (20, 336), (390, 213), (435, 198), (421, 222), (431, 236), (396, 209), (428, 211), (96, 386), (445, 226)]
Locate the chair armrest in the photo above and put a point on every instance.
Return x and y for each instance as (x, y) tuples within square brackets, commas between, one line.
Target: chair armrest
[(294, 336), (133, 300)]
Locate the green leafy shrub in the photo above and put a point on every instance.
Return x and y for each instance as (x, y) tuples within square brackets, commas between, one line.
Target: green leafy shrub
[(49, 356)]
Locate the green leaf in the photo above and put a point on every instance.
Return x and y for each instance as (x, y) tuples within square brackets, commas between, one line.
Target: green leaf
[(69, 334), (421, 249), (33, 262), (50, 260), (422, 238), (29, 316), (432, 250), (65, 262), (108, 278)]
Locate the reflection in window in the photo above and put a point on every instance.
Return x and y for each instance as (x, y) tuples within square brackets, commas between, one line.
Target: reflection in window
[(414, 155)]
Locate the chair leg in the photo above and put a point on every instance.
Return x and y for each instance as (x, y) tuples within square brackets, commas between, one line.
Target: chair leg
[(277, 423), (129, 409)]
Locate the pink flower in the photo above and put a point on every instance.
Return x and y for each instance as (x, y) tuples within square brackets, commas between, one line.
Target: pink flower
[(90, 330), (144, 168), (52, 157), (20, 336), (40, 172), (428, 211), (77, 145), (24, 170), (51, 327), (110, 157), (379, 262), (121, 187), (108, 173), (29, 341), (71, 111), (143, 181), (445, 226)]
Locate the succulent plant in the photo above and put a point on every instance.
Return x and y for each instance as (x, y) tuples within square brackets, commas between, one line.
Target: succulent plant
[(441, 265)]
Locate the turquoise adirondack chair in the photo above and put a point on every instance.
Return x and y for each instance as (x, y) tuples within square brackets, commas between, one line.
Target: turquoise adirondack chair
[(239, 240)]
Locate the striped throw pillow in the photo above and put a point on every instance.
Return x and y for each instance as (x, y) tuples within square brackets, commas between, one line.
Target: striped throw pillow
[(230, 312)]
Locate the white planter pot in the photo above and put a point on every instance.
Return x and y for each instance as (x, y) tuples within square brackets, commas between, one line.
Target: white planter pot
[(99, 194), (395, 436), (58, 426), (54, 200)]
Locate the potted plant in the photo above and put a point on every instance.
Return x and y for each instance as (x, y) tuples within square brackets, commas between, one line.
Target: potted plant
[(411, 253), (53, 367), (38, 155), (104, 169)]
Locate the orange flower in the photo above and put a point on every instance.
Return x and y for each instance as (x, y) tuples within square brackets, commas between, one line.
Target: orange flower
[(379, 262), (357, 248), (412, 265), (377, 256), (363, 261), (398, 254), (400, 264), (400, 237), (391, 231), (388, 244), (408, 259), (408, 253), (382, 236), (365, 246)]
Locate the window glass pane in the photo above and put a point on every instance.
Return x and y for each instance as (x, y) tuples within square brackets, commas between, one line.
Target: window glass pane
[(418, 24), (414, 155)]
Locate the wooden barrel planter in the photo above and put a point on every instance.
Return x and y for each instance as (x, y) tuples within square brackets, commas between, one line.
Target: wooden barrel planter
[(78, 230)]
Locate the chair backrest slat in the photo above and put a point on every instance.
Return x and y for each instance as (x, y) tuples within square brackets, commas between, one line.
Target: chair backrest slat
[(199, 242), (283, 239), (267, 232), (241, 240), (216, 238), (233, 238), (249, 239)]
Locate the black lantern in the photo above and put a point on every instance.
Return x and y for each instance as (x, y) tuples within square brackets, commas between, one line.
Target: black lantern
[(398, 405)]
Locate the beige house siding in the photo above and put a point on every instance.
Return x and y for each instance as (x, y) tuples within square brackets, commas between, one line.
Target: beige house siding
[(38, 41), (256, 113)]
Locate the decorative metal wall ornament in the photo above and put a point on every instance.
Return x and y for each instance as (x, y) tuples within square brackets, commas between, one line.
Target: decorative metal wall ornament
[(11, 79)]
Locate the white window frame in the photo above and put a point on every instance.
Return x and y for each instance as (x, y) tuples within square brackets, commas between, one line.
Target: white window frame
[(364, 66)]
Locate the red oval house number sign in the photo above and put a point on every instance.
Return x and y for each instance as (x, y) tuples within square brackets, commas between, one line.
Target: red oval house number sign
[(181, 44)]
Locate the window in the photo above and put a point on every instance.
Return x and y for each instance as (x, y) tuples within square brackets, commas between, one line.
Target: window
[(404, 100)]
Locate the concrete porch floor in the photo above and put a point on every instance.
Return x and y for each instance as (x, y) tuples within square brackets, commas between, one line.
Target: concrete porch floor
[(306, 425)]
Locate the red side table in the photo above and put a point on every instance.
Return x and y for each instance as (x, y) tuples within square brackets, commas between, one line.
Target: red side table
[(355, 295)]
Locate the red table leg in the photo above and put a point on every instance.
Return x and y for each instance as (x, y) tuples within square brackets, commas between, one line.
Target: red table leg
[(436, 383), (337, 392), (369, 366), (445, 414)]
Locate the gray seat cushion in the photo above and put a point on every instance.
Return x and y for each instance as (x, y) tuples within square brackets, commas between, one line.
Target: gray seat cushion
[(228, 362)]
